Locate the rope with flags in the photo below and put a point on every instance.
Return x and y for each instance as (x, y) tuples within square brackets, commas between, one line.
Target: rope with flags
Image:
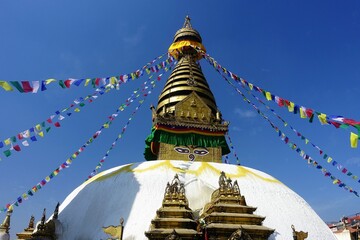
[(69, 161), (145, 94), (337, 121), (35, 86), (292, 145)]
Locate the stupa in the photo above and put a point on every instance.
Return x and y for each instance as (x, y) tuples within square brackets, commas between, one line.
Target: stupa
[(184, 191)]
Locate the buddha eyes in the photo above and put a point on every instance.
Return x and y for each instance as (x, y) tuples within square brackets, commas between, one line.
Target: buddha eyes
[(185, 150), (182, 150), (201, 152)]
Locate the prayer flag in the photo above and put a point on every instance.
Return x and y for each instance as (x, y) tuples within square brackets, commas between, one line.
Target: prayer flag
[(61, 83), (41, 134), (268, 96), (7, 141), (322, 118), (354, 140), (17, 148), (43, 85), (25, 143), (17, 86), (33, 138), (291, 106), (68, 82), (36, 86), (7, 153), (38, 127), (78, 82), (57, 124), (6, 86), (50, 80), (303, 112), (26, 86), (1, 144)]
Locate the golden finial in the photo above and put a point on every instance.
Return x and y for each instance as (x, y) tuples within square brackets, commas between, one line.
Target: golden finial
[(187, 23)]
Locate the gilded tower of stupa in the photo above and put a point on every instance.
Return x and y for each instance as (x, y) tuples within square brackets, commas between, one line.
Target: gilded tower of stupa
[(187, 125)]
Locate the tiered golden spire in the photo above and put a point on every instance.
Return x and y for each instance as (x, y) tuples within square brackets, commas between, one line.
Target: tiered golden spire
[(187, 124)]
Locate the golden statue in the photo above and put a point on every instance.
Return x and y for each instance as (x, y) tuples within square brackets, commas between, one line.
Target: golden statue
[(299, 235), (116, 232)]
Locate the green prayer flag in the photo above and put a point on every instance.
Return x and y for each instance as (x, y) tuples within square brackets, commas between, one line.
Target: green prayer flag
[(82, 104), (17, 86), (7, 153), (61, 83), (48, 129), (311, 118), (13, 139)]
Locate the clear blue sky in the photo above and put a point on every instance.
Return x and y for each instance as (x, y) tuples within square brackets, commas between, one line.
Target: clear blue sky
[(305, 51)]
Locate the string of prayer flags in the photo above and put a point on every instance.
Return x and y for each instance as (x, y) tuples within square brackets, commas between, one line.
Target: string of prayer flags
[(293, 146), (113, 81), (232, 147), (69, 161), (304, 112), (54, 120), (300, 135), (145, 93), (44, 127)]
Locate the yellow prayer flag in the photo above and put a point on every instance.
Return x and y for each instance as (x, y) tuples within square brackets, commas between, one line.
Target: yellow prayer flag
[(6, 86), (335, 181), (50, 80), (87, 81), (354, 140), (7, 141), (322, 118), (291, 107), (73, 156), (47, 179), (41, 134), (106, 125), (329, 160), (251, 86), (113, 80), (68, 161), (306, 141), (302, 113), (268, 96), (77, 110), (38, 127)]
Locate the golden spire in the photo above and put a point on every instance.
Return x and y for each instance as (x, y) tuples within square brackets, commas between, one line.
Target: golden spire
[(187, 77), (187, 124), (5, 226)]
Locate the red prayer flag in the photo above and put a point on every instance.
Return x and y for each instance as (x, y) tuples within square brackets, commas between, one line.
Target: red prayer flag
[(17, 148), (67, 83), (309, 112), (97, 81), (26, 86), (57, 124), (20, 136)]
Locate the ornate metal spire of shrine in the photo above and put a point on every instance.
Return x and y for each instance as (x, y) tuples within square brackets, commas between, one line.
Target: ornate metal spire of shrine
[(187, 76), (187, 124)]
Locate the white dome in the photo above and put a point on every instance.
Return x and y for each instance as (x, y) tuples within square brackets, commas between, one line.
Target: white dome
[(135, 191)]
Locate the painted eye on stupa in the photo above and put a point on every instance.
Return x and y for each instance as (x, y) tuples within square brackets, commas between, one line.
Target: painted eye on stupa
[(182, 150), (201, 152)]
